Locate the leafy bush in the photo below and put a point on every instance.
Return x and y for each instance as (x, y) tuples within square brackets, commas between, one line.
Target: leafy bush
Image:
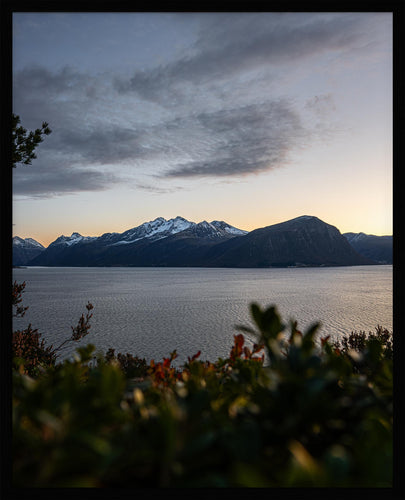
[(316, 415)]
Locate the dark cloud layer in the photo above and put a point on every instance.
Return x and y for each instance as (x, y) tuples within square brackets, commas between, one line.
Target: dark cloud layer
[(251, 139), (101, 145), (45, 183)]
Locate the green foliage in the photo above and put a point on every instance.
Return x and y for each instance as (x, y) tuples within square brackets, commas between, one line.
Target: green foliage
[(311, 417), (23, 143)]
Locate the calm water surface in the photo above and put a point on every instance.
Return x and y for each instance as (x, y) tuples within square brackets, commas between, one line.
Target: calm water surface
[(149, 312)]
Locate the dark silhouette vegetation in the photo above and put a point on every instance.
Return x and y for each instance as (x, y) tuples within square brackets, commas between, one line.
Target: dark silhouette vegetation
[(24, 143)]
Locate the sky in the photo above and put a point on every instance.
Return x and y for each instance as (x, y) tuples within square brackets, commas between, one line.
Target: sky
[(250, 118)]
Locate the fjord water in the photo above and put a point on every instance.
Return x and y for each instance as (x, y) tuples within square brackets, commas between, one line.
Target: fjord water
[(149, 312)]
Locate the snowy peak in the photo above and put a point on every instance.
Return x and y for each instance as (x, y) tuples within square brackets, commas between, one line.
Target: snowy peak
[(25, 249), (27, 243), (216, 230), (220, 224), (205, 230), (34, 243), (71, 240), (18, 241), (162, 228), (172, 226), (153, 230), (355, 237)]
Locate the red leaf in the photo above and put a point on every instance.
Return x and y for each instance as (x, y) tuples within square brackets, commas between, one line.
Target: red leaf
[(194, 357)]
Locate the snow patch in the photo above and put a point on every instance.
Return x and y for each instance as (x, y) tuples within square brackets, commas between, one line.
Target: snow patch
[(73, 239), (228, 228), (156, 229), (34, 243), (27, 242)]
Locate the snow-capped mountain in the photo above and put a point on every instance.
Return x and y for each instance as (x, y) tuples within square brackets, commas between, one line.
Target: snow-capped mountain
[(74, 239), (177, 242), (27, 242), (162, 228), (153, 230), (377, 248), (109, 248), (25, 250), (221, 225)]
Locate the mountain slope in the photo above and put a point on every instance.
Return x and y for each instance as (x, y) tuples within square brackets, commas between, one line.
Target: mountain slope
[(377, 248), (153, 230), (305, 240), (25, 250), (60, 249)]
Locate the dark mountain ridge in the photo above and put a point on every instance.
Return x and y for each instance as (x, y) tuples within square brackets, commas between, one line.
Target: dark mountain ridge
[(377, 248), (303, 241)]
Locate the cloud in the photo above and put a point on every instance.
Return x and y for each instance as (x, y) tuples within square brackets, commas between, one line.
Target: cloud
[(36, 77), (62, 98), (216, 111), (230, 140), (155, 189), (101, 144), (321, 105), (233, 43), (87, 132), (45, 183), (245, 140)]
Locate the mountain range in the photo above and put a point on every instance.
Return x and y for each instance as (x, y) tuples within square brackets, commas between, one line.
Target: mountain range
[(377, 248), (303, 241)]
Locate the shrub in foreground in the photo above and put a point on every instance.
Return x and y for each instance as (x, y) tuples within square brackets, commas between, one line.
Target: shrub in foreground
[(316, 415)]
